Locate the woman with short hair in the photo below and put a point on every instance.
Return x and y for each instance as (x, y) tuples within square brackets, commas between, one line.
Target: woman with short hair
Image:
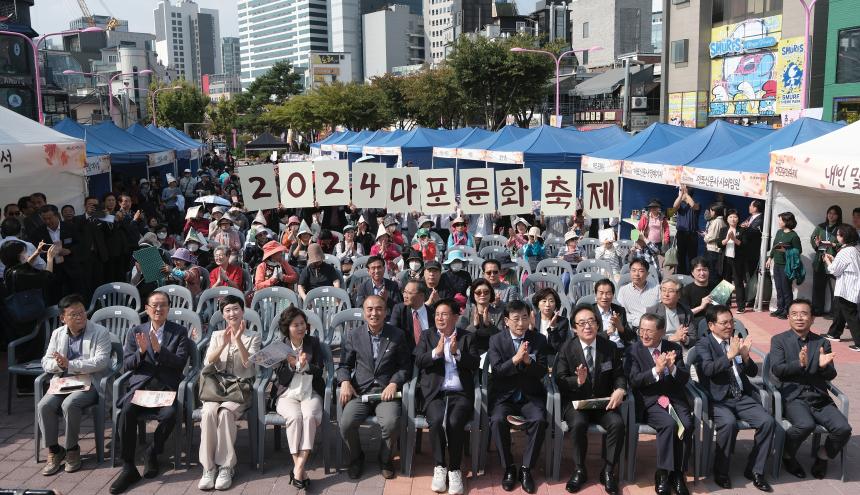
[(845, 266)]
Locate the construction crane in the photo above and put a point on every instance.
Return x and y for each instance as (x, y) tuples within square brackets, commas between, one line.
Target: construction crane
[(112, 22)]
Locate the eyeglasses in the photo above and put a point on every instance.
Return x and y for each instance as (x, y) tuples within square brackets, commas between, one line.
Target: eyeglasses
[(491, 272), (726, 323), (158, 306), (76, 315), (798, 314), (586, 323)]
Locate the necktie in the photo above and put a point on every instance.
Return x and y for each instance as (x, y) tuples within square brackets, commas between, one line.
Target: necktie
[(655, 354), (734, 387), (518, 394), (589, 360), (416, 326)]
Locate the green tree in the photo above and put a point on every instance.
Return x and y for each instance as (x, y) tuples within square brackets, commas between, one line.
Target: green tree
[(223, 116), (394, 89), (433, 98), (298, 113), (274, 87), (179, 106)]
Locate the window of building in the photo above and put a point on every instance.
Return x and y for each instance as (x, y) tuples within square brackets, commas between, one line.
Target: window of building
[(847, 55), (738, 10), (585, 30), (680, 49)]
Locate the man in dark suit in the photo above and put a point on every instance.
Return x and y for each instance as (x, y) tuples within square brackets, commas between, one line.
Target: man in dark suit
[(93, 245), (803, 363), (611, 318), (374, 359), (519, 363), (750, 250), (447, 361), (656, 372), (589, 367), (156, 352), (67, 270), (724, 370), (412, 316), (678, 317), (378, 285)]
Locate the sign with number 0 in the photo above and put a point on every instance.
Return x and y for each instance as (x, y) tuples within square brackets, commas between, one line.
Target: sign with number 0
[(332, 182), (297, 187), (259, 189), (369, 185)]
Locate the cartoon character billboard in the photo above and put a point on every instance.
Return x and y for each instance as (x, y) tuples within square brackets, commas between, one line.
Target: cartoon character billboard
[(743, 68), (789, 74)]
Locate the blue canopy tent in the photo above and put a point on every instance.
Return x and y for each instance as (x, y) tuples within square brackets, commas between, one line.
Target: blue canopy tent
[(183, 151), (342, 147), (658, 173), (182, 138), (316, 147), (605, 136), (416, 146), (355, 149), (473, 155), (545, 147), (328, 146), (446, 156), (654, 137), (162, 160), (374, 145)]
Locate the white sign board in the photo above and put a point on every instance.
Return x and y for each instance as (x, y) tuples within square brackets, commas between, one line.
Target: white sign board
[(297, 184), (437, 191), (404, 195), (600, 195), (369, 187), (331, 181), (477, 190), (259, 189), (514, 191), (558, 192)]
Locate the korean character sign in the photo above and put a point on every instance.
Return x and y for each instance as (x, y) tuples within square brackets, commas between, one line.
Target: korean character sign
[(297, 184), (369, 186), (600, 195), (260, 190), (558, 192), (477, 191), (403, 191), (437, 191), (513, 189), (331, 178)]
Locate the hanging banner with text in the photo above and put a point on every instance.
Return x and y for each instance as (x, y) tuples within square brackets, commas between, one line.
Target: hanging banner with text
[(558, 192), (747, 184), (594, 164), (652, 172), (600, 195)]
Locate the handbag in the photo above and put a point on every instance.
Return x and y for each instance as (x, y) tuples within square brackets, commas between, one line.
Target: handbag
[(222, 387), (25, 306), (670, 258)]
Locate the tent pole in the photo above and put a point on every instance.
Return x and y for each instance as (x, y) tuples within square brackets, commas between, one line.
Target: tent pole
[(620, 206), (765, 242)]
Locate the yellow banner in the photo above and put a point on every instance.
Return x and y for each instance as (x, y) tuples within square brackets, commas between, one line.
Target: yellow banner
[(789, 74)]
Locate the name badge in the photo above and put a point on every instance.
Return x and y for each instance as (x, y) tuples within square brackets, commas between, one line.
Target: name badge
[(607, 366)]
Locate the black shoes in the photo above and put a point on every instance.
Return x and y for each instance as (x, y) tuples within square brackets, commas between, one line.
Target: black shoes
[(661, 482), (609, 481), (127, 477), (150, 463), (793, 467), (356, 467), (577, 481), (509, 480), (819, 468), (679, 483), (387, 469), (758, 481), (527, 481), (722, 481)]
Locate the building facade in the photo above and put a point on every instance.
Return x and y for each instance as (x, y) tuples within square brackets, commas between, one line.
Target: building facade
[(616, 26), (188, 39), (393, 37), (446, 20), (842, 67), (739, 61), (230, 61), (221, 86), (275, 30)]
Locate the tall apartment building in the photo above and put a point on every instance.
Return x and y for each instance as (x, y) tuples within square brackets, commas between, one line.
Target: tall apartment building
[(445, 20), (617, 26), (393, 37), (188, 38), (230, 62), (275, 30)]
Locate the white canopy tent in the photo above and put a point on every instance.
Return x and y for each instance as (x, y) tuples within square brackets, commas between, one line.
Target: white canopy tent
[(35, 158), (808, 178)]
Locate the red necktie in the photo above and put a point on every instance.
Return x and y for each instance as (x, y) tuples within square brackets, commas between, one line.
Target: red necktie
[(416, 326), (663, 400)]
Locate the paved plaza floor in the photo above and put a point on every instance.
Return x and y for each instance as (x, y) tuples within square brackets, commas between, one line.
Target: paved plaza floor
[(19, 469)]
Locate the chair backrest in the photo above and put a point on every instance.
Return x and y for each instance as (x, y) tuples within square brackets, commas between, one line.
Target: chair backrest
[(537, 281), (252, 322), (587, 299), (551, 248), (188, 319), (623, 248), (493, 240), (49, 321), (594, 266), (493, 251), (359, 262), (582, 284), (684, 279), (473, 268), (179, 296), (269, 302), (274, 332), (356, 278), (587, 245), (623, 280), (116, 294), (333, 261), (554, 266), (247, 281), (207, 301), (204, 277), (119, 320), (325, 302), (341, 323)]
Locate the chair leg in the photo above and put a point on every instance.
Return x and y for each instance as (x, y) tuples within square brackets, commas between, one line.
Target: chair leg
[(37, 433), (277, 438), (13, 388), (99, 432)]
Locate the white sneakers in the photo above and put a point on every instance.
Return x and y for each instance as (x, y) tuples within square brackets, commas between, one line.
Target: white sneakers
[(207, 482), (440, 480), (455, 483), (225, 478)]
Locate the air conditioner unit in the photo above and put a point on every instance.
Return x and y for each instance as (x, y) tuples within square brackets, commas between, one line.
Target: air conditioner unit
[(639, 103)]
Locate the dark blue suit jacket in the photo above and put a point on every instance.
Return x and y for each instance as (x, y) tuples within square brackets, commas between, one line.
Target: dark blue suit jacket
[(638, 364), (168, 365), (715, 370), (508, 377)]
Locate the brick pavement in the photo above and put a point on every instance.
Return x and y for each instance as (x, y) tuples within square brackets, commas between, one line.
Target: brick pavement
[(18, 468)]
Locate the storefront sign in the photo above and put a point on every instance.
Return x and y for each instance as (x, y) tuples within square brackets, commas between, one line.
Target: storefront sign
[(789, 74)]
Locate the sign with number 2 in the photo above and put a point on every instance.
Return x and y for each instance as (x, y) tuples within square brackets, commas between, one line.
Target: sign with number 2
[(332, 182), (259, 189)]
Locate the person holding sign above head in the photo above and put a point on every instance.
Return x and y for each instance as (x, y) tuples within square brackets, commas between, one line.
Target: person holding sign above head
[(374, 365), (229, 354), (274, 269), (447, 361), (589, 367), (156, 353), (78, 349), (657, 374), (724, 372), (519, 364)]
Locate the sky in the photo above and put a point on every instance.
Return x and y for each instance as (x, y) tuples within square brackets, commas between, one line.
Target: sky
[(54, 15)]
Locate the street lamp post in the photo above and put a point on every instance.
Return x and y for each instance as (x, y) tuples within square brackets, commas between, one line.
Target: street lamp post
[(154, 96), (143, 72), (808, 5), (557, 60)]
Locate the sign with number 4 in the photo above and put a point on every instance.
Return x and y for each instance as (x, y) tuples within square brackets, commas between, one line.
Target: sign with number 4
[(260, 191), (332, 182)]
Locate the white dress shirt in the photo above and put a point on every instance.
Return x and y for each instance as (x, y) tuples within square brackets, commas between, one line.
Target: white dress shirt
[(451, 383), (734, 368)]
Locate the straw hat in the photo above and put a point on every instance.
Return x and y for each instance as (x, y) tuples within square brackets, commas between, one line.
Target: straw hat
[(535, 231), (570, 234), (520, 220)]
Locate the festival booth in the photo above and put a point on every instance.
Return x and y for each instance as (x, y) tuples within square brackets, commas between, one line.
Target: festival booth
[(181, 137), (605, 137), (808, 178), (657, 174), (328, 146), (415, 148), (355, 149), (446, 156), (316, 149), (266, 142), (473, 155), (656, 136), (341, 148), (183, 153), (162, 160), (35, 158)]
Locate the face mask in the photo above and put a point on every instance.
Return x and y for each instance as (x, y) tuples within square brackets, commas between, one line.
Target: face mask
[(456, 266), (414, 265), (272, 263), (161, 236), (193, 247)]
